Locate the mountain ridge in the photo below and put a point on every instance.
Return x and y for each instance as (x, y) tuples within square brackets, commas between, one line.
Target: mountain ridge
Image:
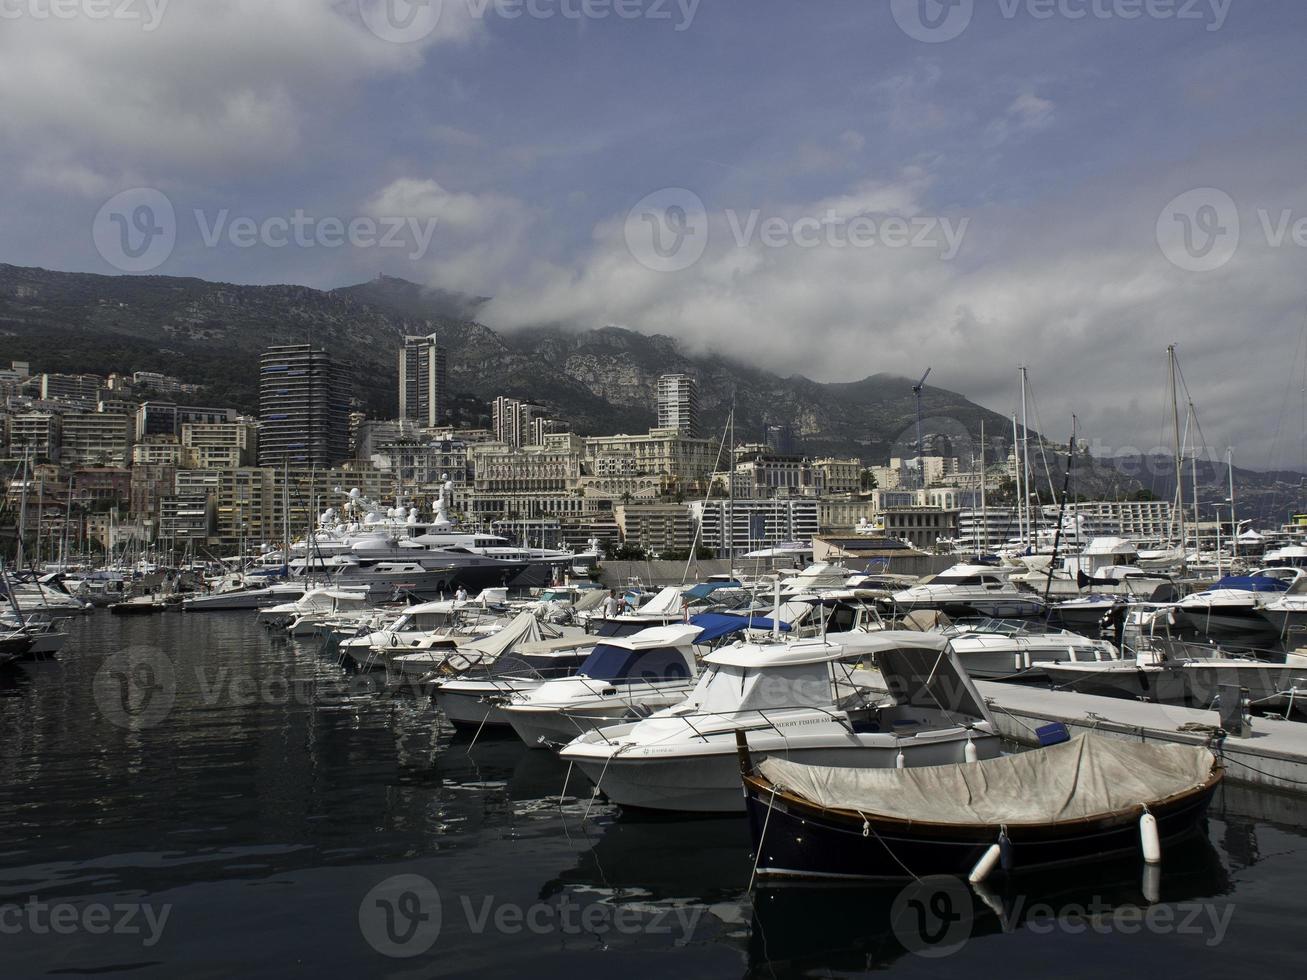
[(602, 379)]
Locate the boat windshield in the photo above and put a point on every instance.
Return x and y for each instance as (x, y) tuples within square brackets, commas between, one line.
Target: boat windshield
[(612, 663), (728, 688)]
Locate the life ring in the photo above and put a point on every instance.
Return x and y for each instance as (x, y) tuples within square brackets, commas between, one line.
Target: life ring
[(394, 640)]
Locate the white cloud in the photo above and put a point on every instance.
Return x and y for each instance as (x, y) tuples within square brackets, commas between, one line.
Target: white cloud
[(1079, 290), (1028, 113), (217, 87), (479, 237)]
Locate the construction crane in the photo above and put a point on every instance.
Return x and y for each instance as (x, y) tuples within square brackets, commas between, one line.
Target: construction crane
[(921, 466)]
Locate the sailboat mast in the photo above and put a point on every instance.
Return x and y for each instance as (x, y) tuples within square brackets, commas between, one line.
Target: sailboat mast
[(1234, 524), (1016, 466), (22, 512), (1193, 471), (984, 509), (1025, 459), (1179, 450)]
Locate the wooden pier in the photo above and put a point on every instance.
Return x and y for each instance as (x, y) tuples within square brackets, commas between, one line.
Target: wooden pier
[(1275, 756)]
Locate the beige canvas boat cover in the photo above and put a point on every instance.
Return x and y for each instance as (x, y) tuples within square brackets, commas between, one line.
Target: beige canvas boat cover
[(525, 628), (1084, 777), (590, 599)]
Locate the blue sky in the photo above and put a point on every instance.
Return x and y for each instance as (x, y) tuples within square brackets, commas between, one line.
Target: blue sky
[(1016, 187)]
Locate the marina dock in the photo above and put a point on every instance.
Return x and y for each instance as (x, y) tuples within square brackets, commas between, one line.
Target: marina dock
[(1275, 756)]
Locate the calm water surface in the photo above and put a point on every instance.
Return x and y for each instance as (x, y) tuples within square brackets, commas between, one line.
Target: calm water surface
[(189, 795)]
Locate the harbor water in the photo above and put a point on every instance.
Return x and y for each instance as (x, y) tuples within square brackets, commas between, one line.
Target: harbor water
[(191, 795)]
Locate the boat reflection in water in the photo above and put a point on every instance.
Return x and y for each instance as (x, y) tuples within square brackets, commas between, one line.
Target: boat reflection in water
[(805, 927)]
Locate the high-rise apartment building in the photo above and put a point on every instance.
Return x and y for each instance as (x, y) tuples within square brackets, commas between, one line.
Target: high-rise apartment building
[(422, 387), (303, 408), (678, 404)]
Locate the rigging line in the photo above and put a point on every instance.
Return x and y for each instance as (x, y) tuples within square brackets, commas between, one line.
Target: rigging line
[(698, 530), (763, 838), (1043, 452)]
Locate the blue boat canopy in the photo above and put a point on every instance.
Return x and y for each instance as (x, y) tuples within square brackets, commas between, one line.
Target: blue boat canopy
[(717, 625), (707, 588), (1252, 583)]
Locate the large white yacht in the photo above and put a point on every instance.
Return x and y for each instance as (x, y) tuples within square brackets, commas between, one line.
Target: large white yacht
[(363, 541)]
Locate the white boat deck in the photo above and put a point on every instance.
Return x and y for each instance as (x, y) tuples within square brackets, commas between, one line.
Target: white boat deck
[(1275, 756)]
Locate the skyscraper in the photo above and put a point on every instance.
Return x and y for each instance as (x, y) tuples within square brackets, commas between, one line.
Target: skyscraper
[(678, 404), (422, 391), (303, 408)]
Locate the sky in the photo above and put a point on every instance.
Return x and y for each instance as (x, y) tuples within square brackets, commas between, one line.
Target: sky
[(829, 188)]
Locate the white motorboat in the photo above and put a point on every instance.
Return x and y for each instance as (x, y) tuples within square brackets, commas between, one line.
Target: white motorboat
[(245, 599), (446, 655), (1000, 650), (1233, 606), (1189, 674), (323, 601), (802, 701), (971, 590), (421, 624), (665, 608), (474, 699), (622, 680)]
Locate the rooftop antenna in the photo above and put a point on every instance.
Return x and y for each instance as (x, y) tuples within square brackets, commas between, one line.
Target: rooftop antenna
[(916, 391)]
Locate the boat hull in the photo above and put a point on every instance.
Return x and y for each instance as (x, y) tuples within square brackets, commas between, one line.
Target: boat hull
[(708, 780), (796, 839), (476, 706)]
